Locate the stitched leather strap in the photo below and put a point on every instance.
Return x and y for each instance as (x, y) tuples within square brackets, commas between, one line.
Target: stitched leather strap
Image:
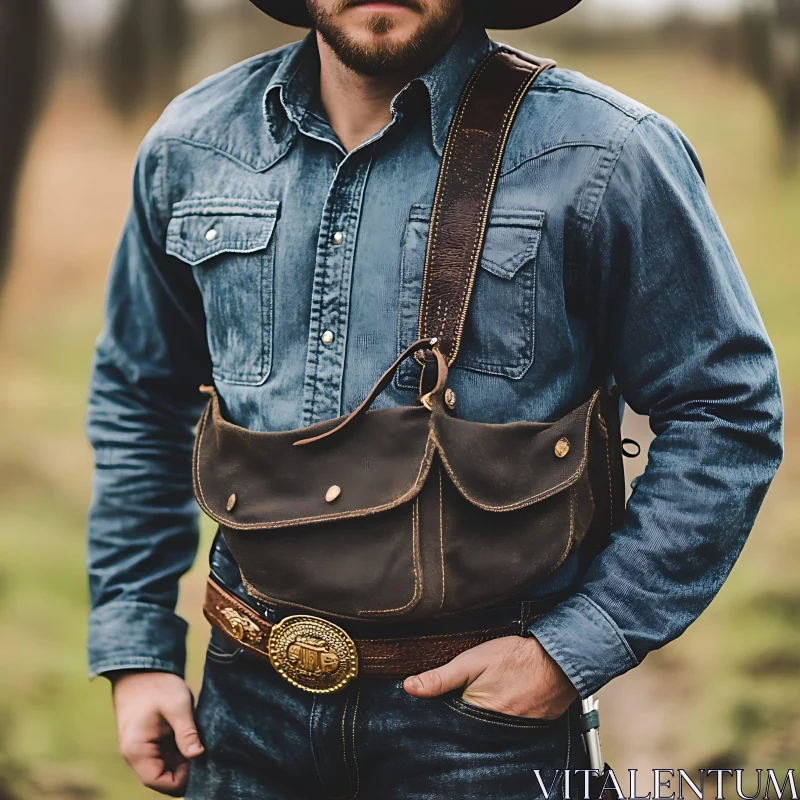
[(388, 658), (383, 382), (464, 191)]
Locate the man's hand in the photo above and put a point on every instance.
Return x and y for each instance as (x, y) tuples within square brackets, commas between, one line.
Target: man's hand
[(512, 675), (155, 725)]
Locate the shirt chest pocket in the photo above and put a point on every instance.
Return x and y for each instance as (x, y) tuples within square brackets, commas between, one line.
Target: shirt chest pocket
[(230, 246), (499, 329)]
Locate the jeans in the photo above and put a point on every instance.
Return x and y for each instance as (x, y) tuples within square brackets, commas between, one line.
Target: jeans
[(268, 740)]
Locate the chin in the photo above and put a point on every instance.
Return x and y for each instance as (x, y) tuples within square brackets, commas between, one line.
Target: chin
[(389, 29), (390, 42), (381, 43)]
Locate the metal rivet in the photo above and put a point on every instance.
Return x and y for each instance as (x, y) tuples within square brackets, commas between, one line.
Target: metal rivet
[(562, 447), (333, 493), (327, 337), (338, 237), (211, 235), (450, 399), (231, 502)]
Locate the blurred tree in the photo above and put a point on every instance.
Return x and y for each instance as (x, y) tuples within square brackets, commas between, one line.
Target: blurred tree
[(23, 35), (143, 53), (771, 35)]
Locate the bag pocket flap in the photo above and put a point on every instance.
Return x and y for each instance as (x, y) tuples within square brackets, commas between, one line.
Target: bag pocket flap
[(503, 467), (201, 229), (253, 480)]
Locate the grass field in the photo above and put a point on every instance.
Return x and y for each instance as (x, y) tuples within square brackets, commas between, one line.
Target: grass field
[(726, 692)]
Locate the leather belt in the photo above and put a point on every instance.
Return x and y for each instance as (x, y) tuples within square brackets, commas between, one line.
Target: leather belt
[(318, 656)]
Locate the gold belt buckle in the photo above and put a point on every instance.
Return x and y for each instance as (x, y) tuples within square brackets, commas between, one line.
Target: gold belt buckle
[(312, 654)]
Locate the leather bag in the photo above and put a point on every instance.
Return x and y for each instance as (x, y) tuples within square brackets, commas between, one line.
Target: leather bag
[(410, 512)]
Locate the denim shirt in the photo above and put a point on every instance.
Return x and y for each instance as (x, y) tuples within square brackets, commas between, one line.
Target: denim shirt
[(259, 255)]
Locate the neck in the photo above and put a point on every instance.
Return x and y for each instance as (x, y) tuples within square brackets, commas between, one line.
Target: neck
[(357, 106)]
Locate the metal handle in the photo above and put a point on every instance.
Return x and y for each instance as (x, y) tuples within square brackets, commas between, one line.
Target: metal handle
[(590, 723)]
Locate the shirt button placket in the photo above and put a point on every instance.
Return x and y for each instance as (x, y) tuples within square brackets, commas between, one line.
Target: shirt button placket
[(331, 294)]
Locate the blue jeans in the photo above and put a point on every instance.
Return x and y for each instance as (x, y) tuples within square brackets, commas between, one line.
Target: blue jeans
[(265, 739)]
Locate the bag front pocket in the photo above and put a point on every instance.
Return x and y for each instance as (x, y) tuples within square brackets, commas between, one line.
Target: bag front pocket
[(347, 567), (229, 244), (353, 553), (499, 329)]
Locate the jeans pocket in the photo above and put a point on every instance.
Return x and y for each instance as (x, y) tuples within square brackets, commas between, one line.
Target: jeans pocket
[(457, 704), (222, 649)]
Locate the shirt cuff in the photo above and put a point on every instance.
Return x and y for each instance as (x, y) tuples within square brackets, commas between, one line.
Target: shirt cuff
[(585, 642), (131, 635)]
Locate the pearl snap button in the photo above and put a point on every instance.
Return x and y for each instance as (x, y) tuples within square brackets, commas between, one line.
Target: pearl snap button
[(211, 235), (338, 238), (327, 337)]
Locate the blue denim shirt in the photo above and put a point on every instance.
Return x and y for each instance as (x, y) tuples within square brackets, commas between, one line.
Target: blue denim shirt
[(259, 254)]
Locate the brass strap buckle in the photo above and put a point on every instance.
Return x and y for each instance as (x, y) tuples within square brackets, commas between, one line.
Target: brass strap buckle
[(312, 654)]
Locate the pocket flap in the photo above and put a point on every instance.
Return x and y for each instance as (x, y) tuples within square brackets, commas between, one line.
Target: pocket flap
[(503, 467), (253, 480), (512, 240), (199, 229)]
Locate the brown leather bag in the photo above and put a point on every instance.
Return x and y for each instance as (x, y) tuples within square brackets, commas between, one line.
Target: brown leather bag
[(411, 512)]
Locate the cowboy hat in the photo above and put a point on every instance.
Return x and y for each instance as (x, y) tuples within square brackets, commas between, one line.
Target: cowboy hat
[(505, 14)]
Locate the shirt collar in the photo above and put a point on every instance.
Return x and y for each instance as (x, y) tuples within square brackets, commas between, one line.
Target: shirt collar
[(291, 94), (292, 88), (446, 79)]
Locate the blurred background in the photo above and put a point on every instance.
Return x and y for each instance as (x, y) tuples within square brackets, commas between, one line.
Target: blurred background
[(81, 81)]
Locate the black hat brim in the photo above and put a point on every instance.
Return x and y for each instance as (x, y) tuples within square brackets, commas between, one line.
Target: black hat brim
[(502, 14)]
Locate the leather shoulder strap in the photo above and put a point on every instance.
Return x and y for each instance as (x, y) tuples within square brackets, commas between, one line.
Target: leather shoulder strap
[(467, 177)]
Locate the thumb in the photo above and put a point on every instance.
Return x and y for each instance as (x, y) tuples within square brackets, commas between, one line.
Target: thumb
[(434, 682), (181, 719)]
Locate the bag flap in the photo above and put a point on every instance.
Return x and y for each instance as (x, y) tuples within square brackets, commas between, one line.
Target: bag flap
[(503, 467), (247, 480)]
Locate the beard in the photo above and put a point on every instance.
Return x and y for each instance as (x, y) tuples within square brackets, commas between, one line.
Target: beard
[(413, 54)]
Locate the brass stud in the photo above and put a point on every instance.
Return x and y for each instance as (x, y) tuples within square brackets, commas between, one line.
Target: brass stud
[(450, 399), (333, 493), (562, 447), (231, 502)]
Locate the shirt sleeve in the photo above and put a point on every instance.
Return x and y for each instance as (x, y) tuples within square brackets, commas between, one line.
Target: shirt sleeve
[(143, 403), (687, 347)]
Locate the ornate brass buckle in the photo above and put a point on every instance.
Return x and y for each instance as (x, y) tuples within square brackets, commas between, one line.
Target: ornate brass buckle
[(312, 654)]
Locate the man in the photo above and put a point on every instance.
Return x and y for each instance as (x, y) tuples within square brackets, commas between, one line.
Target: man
[(275, 247)]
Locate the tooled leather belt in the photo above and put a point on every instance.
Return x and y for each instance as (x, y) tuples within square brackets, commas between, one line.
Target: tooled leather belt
[(318, 656)]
